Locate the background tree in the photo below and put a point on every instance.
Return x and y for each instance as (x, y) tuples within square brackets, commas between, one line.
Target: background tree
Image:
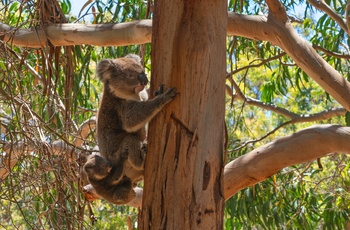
[(287, 70)]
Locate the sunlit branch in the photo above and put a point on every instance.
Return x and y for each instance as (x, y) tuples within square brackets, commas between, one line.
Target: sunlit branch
[(283, 34), (302, 146), (85, 129), (119, 34), (275, 28)]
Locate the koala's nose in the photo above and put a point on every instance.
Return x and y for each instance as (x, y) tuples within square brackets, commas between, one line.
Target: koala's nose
[(143, 79)]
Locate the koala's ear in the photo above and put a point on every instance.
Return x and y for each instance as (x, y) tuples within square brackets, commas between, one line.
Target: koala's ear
[(134, 57), (102, 69)]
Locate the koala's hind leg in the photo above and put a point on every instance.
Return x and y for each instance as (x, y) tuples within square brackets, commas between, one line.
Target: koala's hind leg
[(116, 174), (123, 193), (135, 149)]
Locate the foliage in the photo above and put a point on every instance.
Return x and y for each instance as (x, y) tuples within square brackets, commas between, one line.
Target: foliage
[(37, 107), (47, 93), (304, 196)]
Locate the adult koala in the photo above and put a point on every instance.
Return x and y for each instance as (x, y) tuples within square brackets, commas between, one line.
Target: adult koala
[(123, 113)]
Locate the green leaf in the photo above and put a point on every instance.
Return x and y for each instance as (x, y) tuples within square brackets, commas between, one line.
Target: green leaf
[(347, 118), (14, 7)]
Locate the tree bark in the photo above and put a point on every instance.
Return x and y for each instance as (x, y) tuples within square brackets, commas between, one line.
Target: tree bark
[(184, 163), (67, 34)]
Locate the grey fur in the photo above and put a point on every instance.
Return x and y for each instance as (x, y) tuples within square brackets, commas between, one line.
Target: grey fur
[(122, 116)]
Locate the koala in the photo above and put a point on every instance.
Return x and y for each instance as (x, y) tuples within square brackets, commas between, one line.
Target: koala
[(123, 114), (108, 180)]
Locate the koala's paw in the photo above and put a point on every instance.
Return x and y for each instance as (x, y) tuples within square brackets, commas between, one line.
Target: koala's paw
[(170, 93), (144, 147), (165, 97)]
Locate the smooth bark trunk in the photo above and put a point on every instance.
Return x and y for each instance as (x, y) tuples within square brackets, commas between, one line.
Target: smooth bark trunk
[(184, 165)]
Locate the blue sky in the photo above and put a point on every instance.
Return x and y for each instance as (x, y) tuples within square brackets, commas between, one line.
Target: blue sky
[(76, 6)]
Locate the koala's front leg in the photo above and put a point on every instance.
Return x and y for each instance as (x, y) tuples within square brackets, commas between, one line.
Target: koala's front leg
[(138, 113)]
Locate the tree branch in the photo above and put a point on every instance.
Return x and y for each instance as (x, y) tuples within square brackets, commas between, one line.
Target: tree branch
[(329, 53), (302, 146), (283, 35), (277, 11), (121, 34), (91, 195), (138, 32), (262, 62), (263, 162), (16, 150), (59, 147), (84, 131)]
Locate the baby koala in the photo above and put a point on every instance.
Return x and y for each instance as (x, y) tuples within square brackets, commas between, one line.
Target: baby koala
[(108, 180)]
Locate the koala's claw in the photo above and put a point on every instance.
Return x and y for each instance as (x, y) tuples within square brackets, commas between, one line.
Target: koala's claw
[(160, 90), (144, 147), (171, 92)]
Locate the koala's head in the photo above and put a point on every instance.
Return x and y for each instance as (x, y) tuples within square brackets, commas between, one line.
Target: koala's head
[(97, 167), (124, 77)]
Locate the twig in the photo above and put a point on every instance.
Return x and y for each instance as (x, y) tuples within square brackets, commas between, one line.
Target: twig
[(263, 62), (261, 138), (330, 53)]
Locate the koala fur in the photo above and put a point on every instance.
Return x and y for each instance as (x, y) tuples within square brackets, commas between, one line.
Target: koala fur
[(123, 114), (108, 180)]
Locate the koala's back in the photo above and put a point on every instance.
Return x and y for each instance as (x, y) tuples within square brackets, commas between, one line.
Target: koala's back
[(124, 82), (109, 126)]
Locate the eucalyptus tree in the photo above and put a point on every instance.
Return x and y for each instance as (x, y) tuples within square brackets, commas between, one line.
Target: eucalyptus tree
[(287, 101)]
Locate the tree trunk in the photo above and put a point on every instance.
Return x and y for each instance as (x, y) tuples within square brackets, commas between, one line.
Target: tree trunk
[(184, 163)]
